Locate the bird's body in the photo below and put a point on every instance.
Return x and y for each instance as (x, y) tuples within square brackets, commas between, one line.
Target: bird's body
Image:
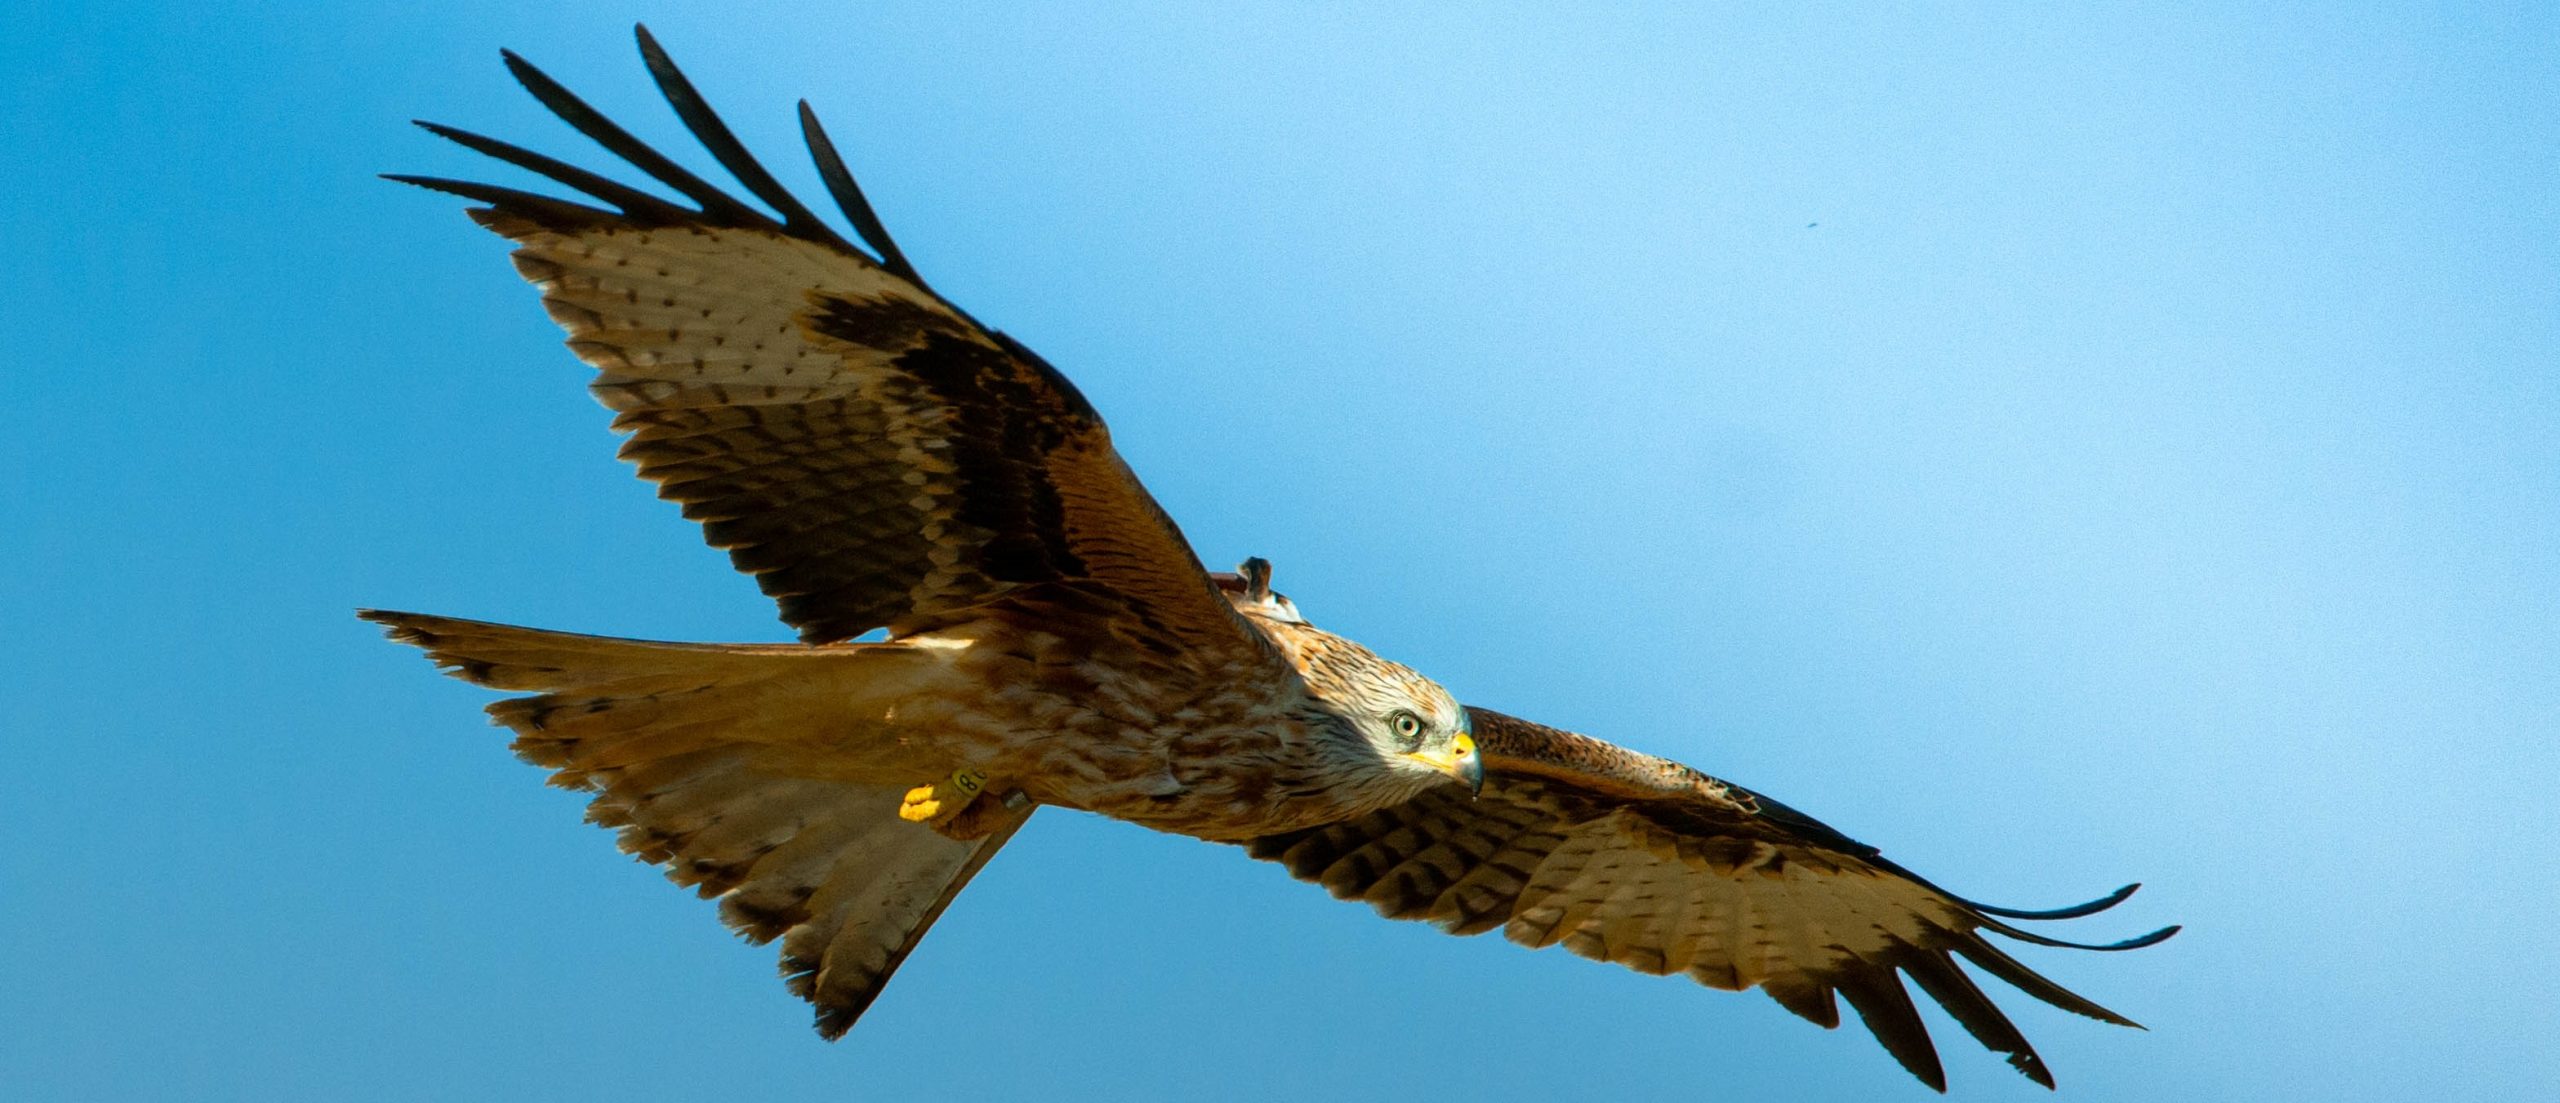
[(1229, 752), (883, 463)]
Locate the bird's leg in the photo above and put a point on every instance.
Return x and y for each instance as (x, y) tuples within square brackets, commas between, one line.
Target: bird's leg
[(939, 802), (982, 816), (960, 806)]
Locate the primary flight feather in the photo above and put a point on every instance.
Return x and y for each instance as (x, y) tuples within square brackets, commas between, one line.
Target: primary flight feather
[(880, 461)]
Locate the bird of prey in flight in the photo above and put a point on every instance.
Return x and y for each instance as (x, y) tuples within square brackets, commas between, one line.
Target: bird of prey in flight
[(995, 616)]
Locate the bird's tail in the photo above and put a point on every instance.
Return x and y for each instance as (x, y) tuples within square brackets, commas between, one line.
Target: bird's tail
[(759, 775)]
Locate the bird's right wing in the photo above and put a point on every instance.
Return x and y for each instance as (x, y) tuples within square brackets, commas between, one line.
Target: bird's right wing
[(1637, 860), (870, 453)]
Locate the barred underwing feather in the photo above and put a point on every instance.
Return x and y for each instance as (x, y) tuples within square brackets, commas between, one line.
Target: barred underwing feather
[(1626, 858), (872, 455)]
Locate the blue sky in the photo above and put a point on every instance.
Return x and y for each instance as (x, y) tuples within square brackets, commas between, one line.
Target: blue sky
[(2059, 447)]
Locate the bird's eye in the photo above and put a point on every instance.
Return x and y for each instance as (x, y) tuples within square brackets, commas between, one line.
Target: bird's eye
[(1408, 729)]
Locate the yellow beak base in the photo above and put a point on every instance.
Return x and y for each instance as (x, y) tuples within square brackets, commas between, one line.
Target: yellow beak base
[(1460, 761)]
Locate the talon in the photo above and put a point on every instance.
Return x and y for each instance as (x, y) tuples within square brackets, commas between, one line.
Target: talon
[(922, 804), (937, 804)]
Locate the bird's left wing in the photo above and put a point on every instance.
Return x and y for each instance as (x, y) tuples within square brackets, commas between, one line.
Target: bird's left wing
[(1632, 859), (873, 455)]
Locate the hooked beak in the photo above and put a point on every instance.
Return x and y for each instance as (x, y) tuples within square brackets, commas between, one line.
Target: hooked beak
[(1460, 761)]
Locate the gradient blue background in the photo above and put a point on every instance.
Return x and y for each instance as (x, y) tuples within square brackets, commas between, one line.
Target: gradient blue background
[(2148, 467)]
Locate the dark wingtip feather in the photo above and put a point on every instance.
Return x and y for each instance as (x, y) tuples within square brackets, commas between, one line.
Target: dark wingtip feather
[(1990, 959), (1988, 915), (633, 202), (1938, 975), (1811, 1002), (849, 198), (717, 205), (522, 70), (2153, 939), (2075, 911), (2135, 943), (723, 143), (540, 207), (1886, 1009)]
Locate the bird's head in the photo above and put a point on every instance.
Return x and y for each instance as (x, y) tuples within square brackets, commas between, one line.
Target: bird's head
[(1376, 713), (1399, 719)]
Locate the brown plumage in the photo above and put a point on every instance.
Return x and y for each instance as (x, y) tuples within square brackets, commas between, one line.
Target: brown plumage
[(880, 461), (1628, 858)]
